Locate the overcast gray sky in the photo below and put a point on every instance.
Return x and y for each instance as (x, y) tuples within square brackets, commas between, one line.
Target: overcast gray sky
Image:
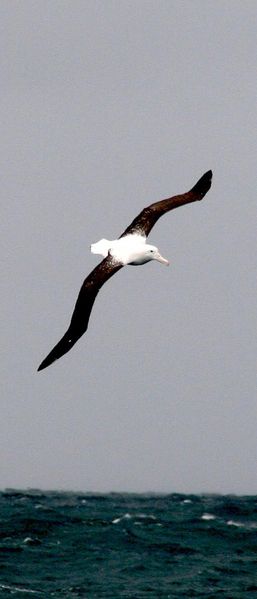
[(107, 107)]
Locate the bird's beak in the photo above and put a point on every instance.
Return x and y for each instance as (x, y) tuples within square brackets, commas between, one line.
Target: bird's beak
[(160, 258)]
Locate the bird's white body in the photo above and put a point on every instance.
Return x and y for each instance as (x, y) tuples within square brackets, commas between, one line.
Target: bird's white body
[(130, 249)]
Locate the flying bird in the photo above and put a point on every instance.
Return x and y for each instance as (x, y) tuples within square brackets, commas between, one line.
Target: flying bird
[(129, 248)]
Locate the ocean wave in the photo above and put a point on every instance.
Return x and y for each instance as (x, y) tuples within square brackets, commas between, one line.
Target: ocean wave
[(127, 545)]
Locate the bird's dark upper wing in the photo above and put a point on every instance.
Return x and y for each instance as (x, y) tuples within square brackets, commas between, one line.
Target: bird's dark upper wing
[(144, 222), (81, 314)]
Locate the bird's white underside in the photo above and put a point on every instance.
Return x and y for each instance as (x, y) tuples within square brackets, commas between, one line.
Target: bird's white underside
[(125, 250), (130, 249)]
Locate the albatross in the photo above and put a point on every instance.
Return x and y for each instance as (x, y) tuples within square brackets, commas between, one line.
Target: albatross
[(129, 248)]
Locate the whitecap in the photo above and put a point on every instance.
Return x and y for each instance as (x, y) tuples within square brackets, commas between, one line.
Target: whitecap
[(233, 523), (7, 587), (125, 517), (31, 541), (208, 517)]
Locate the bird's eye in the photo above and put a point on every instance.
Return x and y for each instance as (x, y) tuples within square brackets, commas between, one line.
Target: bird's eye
[(152, 251)]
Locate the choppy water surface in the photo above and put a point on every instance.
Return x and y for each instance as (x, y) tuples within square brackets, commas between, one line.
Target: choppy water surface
[(83, 545)]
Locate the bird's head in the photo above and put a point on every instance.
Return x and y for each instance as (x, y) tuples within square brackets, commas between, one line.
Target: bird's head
[(153, 253)]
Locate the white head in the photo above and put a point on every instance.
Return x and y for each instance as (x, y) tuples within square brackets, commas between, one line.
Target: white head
[(146, 253), (153, 253)]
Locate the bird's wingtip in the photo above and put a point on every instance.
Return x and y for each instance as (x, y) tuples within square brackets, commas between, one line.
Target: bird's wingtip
[(41, 366), (204, 184), (46, 362), (209, 174)]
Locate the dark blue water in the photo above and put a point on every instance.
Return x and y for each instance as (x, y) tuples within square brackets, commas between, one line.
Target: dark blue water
[(138, 546)]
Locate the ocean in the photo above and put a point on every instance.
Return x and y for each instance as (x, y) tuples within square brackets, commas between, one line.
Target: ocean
[(67, 545)]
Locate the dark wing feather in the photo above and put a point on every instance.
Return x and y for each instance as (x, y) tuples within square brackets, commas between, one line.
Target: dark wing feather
[(144, 222), (84, 304)]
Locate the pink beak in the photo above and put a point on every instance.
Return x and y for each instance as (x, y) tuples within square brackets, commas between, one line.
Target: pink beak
[(160, 258)]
